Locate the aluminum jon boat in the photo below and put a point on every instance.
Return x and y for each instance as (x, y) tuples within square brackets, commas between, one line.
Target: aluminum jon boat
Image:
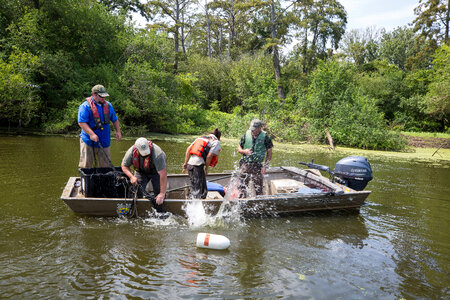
[(286, 190)]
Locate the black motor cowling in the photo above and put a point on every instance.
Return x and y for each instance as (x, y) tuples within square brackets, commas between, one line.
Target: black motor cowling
[(355, 171)]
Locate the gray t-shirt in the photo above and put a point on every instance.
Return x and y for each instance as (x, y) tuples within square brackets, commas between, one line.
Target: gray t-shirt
[(214, 144), (158, 158)]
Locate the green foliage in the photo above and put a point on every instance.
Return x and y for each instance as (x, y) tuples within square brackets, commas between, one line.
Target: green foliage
[(232, 125), (334, 103), (385, 85), (255, 84), (53, 52), (19, 103), (359, 124), (433, 19), (331, 83), (213, 78), (288, 123), (397, 46), (438, 96), (410, 115), (319, 24), (63, 120), (361, 47)]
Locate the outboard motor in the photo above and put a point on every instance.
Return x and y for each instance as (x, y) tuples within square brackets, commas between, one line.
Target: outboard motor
[(355, 171)]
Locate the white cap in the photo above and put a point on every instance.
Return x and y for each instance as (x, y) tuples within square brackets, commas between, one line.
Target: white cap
[(142, 146)]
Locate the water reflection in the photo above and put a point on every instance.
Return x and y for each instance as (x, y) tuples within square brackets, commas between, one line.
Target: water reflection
[(397, 247), (348, 227), (249, 268), (116, 256)]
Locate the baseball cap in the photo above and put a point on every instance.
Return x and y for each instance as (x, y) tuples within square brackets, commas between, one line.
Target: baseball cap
[(100, 90), (255, 124), (142, 146)]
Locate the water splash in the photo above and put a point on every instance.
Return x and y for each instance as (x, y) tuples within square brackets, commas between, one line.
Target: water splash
[(162, 219), (229, 213)]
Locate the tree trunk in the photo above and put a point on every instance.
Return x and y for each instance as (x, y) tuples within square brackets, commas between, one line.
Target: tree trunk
[(208, 23), (183, 47), (276, 65), (176, 38), (276, 57), (221, 41), (330, 139), (447, 20)]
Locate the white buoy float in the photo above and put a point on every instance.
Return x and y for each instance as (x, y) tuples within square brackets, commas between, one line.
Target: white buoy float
[(212, 241)]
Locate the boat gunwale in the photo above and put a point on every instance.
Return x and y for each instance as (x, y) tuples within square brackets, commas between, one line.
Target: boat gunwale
[(288, 196)]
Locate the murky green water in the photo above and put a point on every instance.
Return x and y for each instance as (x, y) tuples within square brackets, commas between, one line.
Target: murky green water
[(398, 246)]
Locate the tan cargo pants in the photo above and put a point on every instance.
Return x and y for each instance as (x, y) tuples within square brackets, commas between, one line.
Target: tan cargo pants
[(94, 157)]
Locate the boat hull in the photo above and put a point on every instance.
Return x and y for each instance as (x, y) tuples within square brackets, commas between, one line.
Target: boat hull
[(265, 205)]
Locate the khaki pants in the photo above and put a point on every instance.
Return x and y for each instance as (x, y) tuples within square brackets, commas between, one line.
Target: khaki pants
[(90, 155)]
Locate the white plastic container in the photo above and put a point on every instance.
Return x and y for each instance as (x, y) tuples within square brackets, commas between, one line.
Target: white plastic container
[(212, 241)]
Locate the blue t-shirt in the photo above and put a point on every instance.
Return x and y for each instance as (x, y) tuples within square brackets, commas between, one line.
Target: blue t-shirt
[(85, 116)]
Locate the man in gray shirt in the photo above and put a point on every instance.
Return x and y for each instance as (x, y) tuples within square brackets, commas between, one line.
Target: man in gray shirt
[(149, 162)]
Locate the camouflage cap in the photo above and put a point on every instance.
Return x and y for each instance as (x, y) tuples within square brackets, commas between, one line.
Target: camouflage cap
[(255, 124), (100, 90)]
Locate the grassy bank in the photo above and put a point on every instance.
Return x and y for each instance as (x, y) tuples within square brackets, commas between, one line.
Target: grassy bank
[(442, 135)]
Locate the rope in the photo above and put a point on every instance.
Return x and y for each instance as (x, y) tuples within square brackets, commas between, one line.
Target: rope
[(133, 211)]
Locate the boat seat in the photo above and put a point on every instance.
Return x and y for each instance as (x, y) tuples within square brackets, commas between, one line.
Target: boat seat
[(282, 186)]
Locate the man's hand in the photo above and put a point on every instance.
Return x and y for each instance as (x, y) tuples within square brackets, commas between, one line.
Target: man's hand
[(134, 180), (247, 151), (160, 198), (93, 137), (118, 136)]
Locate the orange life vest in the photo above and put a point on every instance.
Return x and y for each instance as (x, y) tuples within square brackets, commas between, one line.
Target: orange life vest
[(201, 149), (97, 120)]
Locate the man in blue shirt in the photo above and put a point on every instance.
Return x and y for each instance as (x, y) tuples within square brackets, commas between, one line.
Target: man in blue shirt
[(94, 116)]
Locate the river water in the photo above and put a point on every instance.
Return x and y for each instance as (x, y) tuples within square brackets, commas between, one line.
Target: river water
[(398, 246)]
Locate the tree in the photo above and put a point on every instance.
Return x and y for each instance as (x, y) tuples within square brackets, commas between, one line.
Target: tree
[(384, 84), (18, 101), (433, 19), (438, 96), (275, 34), (172, 13), (125, 7), (397, 46), (236, 14), (320, 23), (274, 18), (361, 47)]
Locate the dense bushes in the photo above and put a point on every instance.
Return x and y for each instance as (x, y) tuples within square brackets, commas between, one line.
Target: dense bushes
[(19, 104), (52, 53)]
